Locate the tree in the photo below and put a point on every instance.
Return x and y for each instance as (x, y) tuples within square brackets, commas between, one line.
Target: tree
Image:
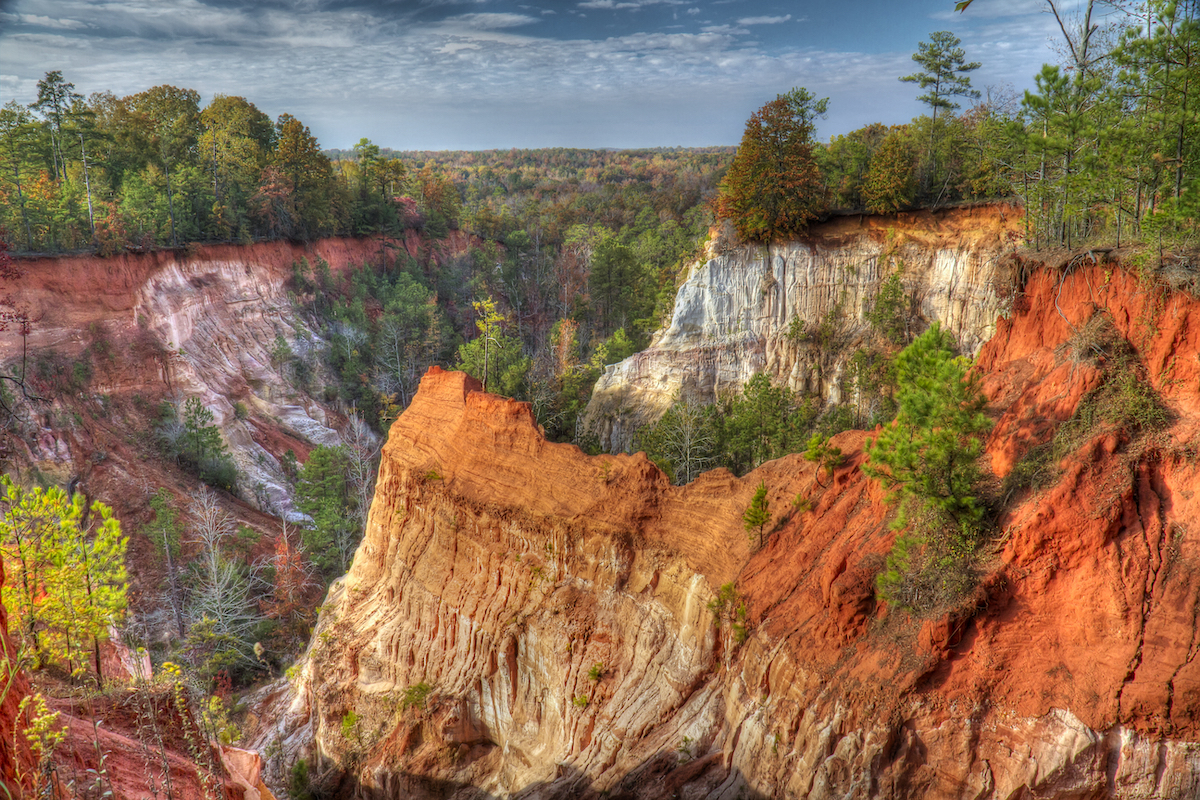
[(163, 530), (324, 494), (758, 513), (291, 584), (191, 436), (493, 357), (362, 451), (764, 422), (16, 135), (171, 118), (299, 158), (943, 76), (929, 458), (67, 577), (943, 72), (222, 617), (773, 188), (683, 440), (55, 98), (824, 455), (929, 455), (890, 183), (235, 144), (613, 283)]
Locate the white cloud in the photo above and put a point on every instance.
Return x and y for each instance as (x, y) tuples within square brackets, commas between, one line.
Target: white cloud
[(618, 5), (764, 20), (37, 20), (491, 21)]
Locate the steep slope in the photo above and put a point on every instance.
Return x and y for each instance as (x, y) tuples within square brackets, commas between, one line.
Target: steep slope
[(199, 322), (498, 570), (733, 313)]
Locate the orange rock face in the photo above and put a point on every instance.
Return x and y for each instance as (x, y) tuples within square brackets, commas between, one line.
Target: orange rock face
[(550, 610)]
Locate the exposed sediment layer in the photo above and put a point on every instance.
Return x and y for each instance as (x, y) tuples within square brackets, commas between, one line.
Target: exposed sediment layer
[(555, 608)]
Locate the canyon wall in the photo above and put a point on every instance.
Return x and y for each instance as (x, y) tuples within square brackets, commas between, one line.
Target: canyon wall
[(524, 620), (195, 322), (734, 311)]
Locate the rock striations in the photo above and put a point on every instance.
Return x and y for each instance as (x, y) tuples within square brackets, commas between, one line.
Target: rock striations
[(524, 620), (734, 312)]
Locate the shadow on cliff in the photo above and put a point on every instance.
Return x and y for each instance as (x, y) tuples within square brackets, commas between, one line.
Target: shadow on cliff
[(659, 778)]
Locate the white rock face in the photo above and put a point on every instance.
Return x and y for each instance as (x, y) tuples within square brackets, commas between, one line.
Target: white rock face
[(733, 312), (220, 320)]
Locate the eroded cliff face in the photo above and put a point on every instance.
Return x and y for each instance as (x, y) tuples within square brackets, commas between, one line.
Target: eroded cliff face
[(200, 322), (733, 313), (498, 570)]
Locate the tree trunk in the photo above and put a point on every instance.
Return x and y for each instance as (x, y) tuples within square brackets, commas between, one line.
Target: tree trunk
[(88, 185), (170, 202)]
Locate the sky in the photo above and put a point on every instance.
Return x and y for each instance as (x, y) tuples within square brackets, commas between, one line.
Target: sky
[(483, 74)]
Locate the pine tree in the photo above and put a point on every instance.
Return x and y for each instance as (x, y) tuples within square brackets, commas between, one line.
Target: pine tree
[(67, 583), (930, 454), (942, 72), (758, 513)]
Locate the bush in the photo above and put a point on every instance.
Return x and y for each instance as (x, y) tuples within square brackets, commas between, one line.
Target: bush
[(349, 725), (1124, 402), (416, 696), (195, 442), (299, 785)]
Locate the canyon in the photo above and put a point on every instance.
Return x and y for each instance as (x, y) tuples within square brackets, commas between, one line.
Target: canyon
[(524, 620)]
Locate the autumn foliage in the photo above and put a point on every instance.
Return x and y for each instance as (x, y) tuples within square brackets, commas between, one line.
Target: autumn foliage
[(773, 188)]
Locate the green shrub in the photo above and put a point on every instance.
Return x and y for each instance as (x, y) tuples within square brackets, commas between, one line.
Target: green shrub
[(416, 696), (596, 672), (299, 785), (349, 725), (727, 597)]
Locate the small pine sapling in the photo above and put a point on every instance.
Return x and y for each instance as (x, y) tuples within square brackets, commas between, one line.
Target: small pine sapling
[(824, 455), (758, 513)]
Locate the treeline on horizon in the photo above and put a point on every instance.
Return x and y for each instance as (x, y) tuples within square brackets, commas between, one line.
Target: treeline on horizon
[(1104, 144), (1102, 150)]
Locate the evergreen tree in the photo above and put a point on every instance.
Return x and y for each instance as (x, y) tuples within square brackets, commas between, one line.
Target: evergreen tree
[(758, 513), (66, 583), (943, 72), (764, 422), (930, 454), (324, 493)]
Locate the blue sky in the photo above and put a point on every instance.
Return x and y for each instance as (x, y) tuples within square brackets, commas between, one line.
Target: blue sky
[(474, 74)]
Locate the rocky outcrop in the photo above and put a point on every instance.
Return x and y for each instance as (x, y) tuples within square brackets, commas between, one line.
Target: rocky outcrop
[(734, 311), (525, 620)]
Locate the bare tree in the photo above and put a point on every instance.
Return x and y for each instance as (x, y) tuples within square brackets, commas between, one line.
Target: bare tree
[(362, 452), (221, 610), (685, 437)]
